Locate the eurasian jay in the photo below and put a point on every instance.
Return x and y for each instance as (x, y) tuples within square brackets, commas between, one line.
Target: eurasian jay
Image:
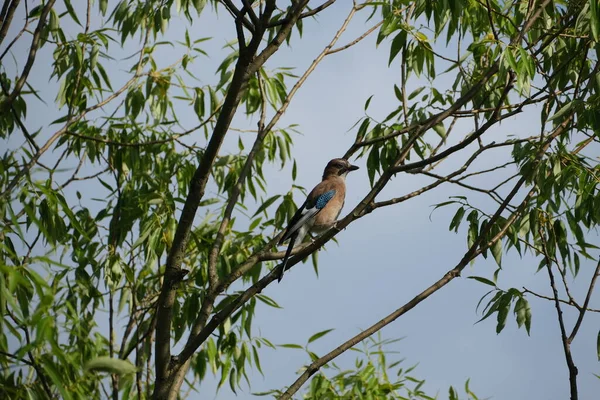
[(321, 208)]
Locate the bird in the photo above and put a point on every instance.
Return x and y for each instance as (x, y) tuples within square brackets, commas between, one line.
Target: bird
[(321, 208)]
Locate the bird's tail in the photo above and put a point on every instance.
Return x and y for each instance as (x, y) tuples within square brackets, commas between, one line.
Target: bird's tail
[(287, 255)]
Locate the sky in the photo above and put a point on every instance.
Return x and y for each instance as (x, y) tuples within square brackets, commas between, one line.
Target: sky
[(386, 258)]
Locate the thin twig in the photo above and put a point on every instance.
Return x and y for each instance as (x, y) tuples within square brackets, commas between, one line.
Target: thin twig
[(563, 332), (355, 41), (585, 303), (303, 15), (32, 360), (567, 302)]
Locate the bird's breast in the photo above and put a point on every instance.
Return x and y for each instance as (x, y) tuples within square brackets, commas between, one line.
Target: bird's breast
[(328, 214)]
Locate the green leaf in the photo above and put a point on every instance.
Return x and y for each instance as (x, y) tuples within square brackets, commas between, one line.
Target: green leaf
[(440, 129), (318, 335), (497, 252), (57, 379), (598, 346), (256, 359), (416, 92), (291, 346), (313, 356), (527, 317), (103, 5), (266, 204), (455, 223), (268, 301), (224, 372), (71, 12), (362, 130), (503, 309), (452, 395), (520, 311), (269, 393), (368, 102), (373, 164), (510, 59), (315, 261), (111, 365), (294, 171), (483, 280), (397, 45), (232, 380), (563, 110), (595, 19)]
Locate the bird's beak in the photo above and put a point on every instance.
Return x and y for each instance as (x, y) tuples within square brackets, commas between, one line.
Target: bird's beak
[(352, 168)]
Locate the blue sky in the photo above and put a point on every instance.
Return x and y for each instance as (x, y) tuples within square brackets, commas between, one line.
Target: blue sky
[(386, 258)]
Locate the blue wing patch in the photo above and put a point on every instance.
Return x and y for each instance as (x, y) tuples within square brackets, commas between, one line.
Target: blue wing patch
[(323, 199)]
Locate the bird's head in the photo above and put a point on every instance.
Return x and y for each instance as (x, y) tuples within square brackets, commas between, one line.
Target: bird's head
[(338, 167)]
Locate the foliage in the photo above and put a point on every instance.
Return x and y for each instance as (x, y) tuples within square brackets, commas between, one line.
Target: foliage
[(173, 222), (372, 377)]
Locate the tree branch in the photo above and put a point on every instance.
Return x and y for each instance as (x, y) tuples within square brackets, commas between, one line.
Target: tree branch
[(477, 248), (586, 303), (238, 15), (195, 339), (36, 42), (493, 120), (170, 373), (280, 36), (32, 360), (355, 41), (310, 13), (360, 210), (567, 302), (8, 11), (563, 333), (34, 159)]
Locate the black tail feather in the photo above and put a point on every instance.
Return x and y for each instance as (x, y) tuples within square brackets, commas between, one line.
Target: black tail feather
[(287, 255)]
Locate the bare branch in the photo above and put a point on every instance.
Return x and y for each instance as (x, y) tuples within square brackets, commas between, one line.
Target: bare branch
[(489, 11), (447, 178), (310, 13), (15, 39), (567, 302), (358, 39), (585, 303), (279, 37), (238, 15), (8, 11), (563, 333), (493, 120)]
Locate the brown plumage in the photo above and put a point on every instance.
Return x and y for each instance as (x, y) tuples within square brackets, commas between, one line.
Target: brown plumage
[(321, 208)]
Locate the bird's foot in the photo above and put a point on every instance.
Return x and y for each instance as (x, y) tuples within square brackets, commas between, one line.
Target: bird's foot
[(335, 224)]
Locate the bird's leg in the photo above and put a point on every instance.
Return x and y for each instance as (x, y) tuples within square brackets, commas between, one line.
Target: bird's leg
[(334, 225)]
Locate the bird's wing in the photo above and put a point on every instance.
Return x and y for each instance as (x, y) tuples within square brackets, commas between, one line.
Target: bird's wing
[(311, 207)]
